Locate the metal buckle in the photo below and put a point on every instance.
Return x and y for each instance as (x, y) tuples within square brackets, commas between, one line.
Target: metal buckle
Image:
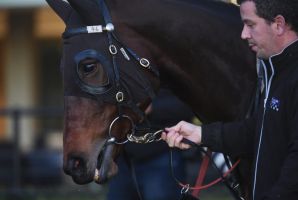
[(144, 62), (119, 97), (113, 49)]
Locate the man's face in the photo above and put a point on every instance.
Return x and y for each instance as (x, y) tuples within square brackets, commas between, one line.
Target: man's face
[(259, 34)]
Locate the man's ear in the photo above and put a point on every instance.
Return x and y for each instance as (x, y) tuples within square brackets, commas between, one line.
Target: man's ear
[(280, 24), (61, 8)]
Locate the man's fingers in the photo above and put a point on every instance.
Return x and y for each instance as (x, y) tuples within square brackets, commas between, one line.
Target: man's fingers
[(172, 136), (174, 139), (180, 144), (178, 140), (184, 146)]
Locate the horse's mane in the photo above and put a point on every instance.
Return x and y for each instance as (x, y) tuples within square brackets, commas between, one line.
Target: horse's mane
[(223, 10), (177, 11), (216, 7), (184, 17)]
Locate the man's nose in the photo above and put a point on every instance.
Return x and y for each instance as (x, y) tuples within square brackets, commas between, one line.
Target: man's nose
[(245, 33)]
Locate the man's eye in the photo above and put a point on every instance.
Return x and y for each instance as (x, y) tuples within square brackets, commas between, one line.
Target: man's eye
[(250, 25)]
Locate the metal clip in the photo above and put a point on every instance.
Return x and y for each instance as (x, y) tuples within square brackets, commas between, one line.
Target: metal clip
[(185, 189), (235, 186), (147, 138), (156, 134)]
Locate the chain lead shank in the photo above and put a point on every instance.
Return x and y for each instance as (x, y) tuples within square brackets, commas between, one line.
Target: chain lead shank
[(147, 138)]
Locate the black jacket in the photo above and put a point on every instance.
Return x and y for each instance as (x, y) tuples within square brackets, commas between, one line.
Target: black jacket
[(271, 135)]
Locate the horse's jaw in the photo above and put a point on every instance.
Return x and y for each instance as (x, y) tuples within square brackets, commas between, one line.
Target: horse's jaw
[(106, 167)]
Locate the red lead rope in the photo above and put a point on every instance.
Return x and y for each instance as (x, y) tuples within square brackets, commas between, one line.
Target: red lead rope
[(202, 172), (202, 175)]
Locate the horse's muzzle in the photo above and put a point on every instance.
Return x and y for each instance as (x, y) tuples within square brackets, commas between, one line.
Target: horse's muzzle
[(76, 167)]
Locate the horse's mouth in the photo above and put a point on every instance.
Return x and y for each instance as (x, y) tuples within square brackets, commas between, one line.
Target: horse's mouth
[(106, 167)]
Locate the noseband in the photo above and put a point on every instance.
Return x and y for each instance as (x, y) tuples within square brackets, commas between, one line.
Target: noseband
[(114, 91)]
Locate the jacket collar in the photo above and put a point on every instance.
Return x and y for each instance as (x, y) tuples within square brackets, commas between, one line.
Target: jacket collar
[(285, 57)]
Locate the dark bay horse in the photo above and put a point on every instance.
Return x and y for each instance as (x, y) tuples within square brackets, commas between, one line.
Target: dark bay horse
[(112, 71)]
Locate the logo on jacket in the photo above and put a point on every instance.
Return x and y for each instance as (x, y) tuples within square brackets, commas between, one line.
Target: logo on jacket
[(274, 104)]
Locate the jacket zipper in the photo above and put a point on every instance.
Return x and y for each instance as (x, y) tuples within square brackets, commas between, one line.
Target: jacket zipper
[(267, 90)]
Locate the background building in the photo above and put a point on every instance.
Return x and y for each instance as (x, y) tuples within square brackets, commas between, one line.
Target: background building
[(31, 99), (29, 57)]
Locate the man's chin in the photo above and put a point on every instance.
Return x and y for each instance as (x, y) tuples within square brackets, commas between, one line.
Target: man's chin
[(262, 55)]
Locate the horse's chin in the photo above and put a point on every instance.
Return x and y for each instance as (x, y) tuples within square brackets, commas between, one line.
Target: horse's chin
[(106, 167)]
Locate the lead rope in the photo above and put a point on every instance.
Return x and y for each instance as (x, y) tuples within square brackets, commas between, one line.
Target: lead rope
[(155, 137), (202, 173), (223, 177)]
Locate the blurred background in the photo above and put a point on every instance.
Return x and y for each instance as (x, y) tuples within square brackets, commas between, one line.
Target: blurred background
[(31, 106)]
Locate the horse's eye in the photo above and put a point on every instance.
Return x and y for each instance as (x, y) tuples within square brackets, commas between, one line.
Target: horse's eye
[(92, 72), (89, 68)]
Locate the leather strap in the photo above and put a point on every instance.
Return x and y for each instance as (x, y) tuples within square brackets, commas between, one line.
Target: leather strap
[(202, 173)]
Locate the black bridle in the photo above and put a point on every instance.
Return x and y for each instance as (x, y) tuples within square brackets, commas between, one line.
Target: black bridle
[(114, 91)]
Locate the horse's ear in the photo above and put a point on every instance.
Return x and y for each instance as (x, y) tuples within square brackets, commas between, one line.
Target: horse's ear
[(61, 8), (89, 10)]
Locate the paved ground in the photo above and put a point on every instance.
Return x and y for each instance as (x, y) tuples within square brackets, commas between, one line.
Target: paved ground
[(91, 192)]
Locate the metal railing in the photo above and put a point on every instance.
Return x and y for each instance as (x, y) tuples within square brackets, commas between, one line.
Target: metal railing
[(16, 115)]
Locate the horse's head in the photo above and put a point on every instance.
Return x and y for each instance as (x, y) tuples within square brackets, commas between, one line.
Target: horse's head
[(105, 90)]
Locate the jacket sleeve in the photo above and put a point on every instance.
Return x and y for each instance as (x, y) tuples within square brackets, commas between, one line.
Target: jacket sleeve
[(235, 138), (287, 185)]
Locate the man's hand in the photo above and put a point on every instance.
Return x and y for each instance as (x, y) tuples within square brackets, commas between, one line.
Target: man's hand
[(174, 135)]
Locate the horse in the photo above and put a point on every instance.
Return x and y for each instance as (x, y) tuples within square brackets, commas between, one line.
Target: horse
[(116, 54)]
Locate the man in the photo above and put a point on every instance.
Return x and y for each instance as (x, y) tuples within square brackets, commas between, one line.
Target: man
[(271, 135)]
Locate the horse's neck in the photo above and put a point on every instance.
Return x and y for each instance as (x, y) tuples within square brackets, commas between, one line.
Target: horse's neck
[(191, 44), (140, 12), (168, 25)]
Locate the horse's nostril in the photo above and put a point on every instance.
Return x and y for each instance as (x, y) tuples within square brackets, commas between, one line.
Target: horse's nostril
[(75, 164), (77, 168)]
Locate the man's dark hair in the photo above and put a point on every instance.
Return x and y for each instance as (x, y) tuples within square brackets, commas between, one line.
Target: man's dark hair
[(269, 9)]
